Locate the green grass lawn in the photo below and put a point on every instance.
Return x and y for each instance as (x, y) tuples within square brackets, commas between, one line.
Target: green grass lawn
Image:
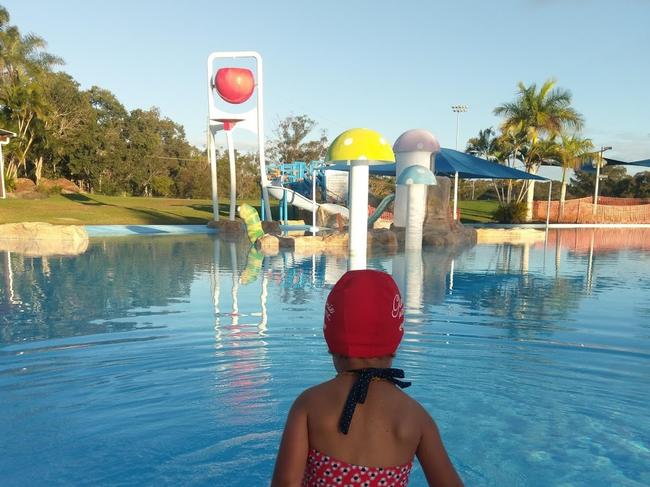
[(481, 211), (88, 209)]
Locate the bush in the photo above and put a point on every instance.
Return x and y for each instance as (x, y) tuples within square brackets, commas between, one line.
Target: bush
[(48, 190), (10, 183), (161, 186), (511, 212)]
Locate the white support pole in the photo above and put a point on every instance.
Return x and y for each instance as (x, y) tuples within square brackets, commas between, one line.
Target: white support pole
[(234, 292), (264, 182), (597, 181), (456, 196), (548, 205), (233, 175), (212, 157), (525, 258), (216, 285), (358, 232), (414, 280), (263, 326), (3, 195), (590, 262), (314, 229), (451, 276), (414, 217)]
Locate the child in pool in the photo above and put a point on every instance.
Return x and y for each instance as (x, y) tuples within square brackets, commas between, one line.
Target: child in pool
[(359, 428)]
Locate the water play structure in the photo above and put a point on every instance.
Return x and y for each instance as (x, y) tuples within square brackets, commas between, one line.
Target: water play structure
[(297, 184), (235, 87), (359, 148), (421, 206)]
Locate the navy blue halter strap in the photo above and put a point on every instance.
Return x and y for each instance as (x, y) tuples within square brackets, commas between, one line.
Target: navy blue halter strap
[(359, 390)]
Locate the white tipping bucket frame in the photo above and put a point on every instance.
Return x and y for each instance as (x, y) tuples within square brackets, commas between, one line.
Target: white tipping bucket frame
[(252, 120)]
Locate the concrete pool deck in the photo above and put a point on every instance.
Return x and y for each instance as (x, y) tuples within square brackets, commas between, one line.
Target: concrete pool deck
[(148, 230), (145, 230)]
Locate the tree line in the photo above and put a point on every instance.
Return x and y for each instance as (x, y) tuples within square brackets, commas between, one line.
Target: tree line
[(540, 127), (86, 136), (90, 138)]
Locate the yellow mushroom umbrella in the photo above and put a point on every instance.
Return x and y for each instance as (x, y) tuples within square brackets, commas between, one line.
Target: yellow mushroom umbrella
[(359, 148)]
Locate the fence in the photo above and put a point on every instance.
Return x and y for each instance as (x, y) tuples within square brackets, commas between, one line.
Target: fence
[(600, 240), (608, 210)]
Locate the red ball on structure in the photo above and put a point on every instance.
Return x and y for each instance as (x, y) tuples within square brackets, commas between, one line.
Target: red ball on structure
[(234, 85)]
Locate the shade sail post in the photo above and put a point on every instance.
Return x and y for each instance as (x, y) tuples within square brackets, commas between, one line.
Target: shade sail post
[(548, 207), (456, 196)]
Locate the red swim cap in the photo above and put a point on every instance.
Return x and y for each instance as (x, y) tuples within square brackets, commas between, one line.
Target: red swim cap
[(364, 315)]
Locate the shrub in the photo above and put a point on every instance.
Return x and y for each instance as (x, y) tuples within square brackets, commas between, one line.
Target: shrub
[(161, 186), (48, 190), (10, 183), (511, 212)]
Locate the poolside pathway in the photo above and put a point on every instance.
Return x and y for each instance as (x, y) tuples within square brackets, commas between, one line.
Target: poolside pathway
[(133, 230)]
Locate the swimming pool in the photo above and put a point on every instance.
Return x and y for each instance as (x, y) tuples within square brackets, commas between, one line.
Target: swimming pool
[(173, 360)]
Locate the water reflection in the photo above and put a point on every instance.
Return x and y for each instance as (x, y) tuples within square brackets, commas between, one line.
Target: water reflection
[(242, 375), (52, 297), (118, 279)]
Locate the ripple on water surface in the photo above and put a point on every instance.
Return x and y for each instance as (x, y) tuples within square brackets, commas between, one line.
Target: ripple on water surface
[(174, 360)]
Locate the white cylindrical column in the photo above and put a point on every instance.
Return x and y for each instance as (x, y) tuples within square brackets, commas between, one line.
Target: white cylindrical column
[(314, 229), (234, 291), (415, 147), (414, 216), (212, 154), (358, 240), (402, 161), (233, 175), (414, 279)]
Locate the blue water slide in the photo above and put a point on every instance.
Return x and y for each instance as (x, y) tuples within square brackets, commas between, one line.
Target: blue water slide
[(380, 209)]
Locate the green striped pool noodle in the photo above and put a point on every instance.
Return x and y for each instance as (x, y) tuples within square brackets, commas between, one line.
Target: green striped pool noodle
[(252, 221)]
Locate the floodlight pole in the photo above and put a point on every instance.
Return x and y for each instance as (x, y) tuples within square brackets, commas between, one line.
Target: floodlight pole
[(457, 109), (598, 164)]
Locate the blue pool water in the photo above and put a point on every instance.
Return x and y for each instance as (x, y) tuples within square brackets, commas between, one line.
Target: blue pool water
[(174, 360)]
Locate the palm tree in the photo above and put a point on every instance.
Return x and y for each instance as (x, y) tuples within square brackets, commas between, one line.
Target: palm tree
[(23, 62), (573, 151), (22, 55), (538, 113), (484, 145)]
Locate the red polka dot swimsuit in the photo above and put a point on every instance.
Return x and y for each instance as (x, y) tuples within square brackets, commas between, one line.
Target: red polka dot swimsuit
[(325, 471)]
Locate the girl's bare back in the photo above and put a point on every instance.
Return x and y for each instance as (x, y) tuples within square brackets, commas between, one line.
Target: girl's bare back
[(360, 417), (388, 430), (385, 430)]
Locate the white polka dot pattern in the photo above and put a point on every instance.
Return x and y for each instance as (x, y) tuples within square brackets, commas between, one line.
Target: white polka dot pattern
[(325, 471)]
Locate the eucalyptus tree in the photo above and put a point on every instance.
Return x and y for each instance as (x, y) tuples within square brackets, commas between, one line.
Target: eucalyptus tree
[(291, 140), (538, 113)]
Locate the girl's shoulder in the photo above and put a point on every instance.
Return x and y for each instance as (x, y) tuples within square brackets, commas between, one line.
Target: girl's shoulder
[(314, 393)]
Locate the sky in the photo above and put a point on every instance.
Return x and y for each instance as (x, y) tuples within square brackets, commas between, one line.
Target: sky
[(386, 65)]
